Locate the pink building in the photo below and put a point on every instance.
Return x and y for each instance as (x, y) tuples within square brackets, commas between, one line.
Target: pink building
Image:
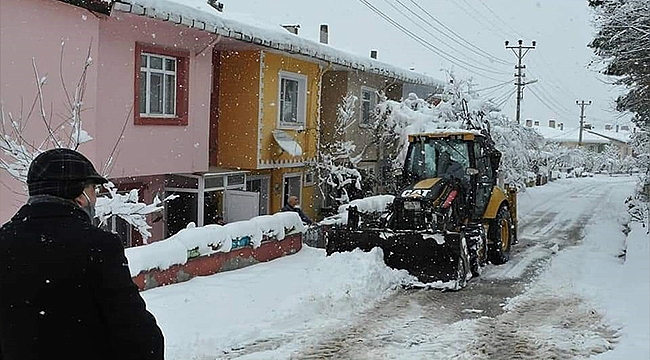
[(169, 93)]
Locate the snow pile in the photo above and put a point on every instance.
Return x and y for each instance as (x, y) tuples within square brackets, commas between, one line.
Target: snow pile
[(307, 293), (376, 203), (202, 241), (371, 204)]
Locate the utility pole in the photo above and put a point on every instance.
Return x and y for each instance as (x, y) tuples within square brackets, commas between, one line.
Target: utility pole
[(582, 104), (520, 51)]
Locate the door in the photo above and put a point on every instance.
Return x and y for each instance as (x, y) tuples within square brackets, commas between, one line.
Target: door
[(484, 179), (240, 205), (292, 186), (260, 185)]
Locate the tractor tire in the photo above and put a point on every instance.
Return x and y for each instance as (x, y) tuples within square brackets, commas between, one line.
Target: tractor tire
[(500, 236)]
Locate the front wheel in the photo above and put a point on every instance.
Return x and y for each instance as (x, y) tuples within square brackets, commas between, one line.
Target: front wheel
[(500, 237)]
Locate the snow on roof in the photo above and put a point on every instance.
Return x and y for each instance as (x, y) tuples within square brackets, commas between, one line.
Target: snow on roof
[(568, 135), (442, 131), (621, 136), (198, 14)]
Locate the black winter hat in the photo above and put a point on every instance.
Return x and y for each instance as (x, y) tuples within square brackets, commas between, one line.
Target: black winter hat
[(61, 172)]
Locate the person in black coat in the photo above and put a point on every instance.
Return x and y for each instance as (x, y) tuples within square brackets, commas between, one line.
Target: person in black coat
[(293, 205), (65, 287)]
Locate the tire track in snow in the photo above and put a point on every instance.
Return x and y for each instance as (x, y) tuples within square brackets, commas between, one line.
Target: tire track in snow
[(390, 332), (472, 323)]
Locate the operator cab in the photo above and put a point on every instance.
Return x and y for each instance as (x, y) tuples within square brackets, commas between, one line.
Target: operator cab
[(430, 157)]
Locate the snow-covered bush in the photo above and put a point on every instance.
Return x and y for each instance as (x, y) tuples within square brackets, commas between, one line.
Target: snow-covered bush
[(337, 159)]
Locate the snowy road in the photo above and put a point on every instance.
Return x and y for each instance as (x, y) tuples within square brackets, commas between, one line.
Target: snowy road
[(416, 324), (529, 308)]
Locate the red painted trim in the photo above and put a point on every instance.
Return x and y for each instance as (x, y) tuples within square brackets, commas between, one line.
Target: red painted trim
[(214, 263), (182, 88)]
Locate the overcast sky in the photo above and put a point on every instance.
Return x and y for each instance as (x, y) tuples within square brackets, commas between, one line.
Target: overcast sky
[(562, 29)]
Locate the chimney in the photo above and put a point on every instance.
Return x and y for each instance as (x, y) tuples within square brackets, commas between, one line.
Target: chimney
[(292, 28), (551, 124), (536, 122), (529, 123), (560, 126), (324, 34), (373, 54), (216, 5), (616, 128)]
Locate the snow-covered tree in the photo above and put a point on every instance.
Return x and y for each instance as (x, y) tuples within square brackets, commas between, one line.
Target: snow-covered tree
[(338, 159), (623, 43), (460, 107), (18, 149)]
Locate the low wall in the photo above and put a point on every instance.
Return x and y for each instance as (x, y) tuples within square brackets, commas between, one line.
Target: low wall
[(218, 262)]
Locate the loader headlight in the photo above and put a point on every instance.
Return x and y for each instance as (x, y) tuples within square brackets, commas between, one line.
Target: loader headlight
[(412, 205)]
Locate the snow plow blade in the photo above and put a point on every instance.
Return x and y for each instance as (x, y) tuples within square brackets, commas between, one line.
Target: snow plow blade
[(418, 253)]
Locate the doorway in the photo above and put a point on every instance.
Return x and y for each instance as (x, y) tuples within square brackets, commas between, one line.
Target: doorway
[(292, 186)]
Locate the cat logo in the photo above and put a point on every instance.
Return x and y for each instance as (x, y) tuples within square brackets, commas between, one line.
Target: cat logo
[(415, 193)]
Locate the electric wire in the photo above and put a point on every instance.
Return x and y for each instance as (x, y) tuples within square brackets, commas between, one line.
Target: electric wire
[(503, 102), (516, 32), (478, 50), (495, 86), (433, 35), (423, 42)]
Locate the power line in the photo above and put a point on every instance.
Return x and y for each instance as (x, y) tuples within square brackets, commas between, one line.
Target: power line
[(544, 101), (516, 32), (502, 103), (423, 42), (486, 25), (481, 51), (431, 33)]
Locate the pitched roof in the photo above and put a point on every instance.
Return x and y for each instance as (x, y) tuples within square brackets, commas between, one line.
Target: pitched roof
[(198, 14), (569, 135), (620, 136)]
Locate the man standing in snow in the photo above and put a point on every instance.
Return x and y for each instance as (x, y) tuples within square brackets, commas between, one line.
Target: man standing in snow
[(65, 287), (294, 205)]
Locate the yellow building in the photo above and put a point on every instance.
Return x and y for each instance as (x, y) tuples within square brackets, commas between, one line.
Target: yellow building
[(267, 123)]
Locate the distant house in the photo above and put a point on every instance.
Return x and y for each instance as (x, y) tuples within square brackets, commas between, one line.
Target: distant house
[(568, 137), (621, 139)]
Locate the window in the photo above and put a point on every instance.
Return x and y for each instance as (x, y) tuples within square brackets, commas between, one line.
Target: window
[(293, 100), (260, 185), (309, 178), (122, 228), (161, 86), (368, 104)]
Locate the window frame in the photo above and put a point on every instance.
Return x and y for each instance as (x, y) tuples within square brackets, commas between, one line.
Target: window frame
[(302, 101), (182, 86), (374, 100)]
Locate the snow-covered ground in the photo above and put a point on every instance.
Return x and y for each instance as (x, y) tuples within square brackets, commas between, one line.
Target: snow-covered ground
[(593, 300)]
